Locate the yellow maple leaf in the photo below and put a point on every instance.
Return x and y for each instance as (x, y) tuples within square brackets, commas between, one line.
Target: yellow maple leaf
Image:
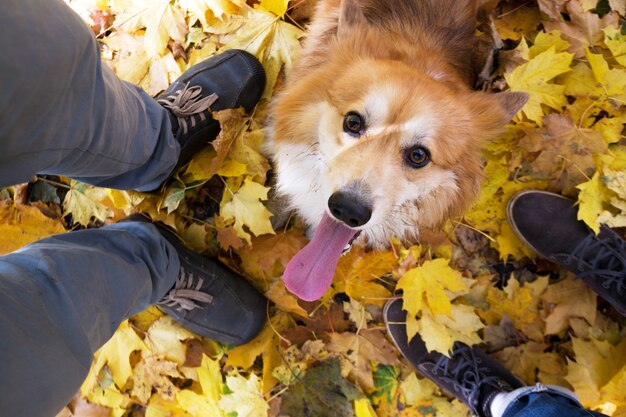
[(610, 129), (116, 355), (567, 299), (533, 78), (613, 80), (596, 364), (165, 337), (544, 41), (591, 198), (508, 244), (246, 397), (581, 82), (197, 405), (161, 20), (616, 42), (206, 403), (427, 285), (363, 408), (416, 390), (518, 302), (265, 345), (232, 168), (22, 224), (278, 7), (358, 274), (439, 332), (109, 397), (245, 207), (159, 407), (84, 201), (207, 10), (270, 39)]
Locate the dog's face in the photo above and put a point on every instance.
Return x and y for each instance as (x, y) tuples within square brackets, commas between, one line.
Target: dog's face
[(381, 147)]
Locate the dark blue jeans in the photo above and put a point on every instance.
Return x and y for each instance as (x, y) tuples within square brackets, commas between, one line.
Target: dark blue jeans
[(544, 401), (62, 112)]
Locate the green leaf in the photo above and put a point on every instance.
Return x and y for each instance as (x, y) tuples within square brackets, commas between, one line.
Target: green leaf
[(385, 383), (321, 389)]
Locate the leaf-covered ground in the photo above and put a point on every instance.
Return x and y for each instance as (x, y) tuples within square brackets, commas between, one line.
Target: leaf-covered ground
[(473, 282)]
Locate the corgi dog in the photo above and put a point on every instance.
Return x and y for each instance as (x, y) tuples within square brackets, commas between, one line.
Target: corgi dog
[(378, 132)]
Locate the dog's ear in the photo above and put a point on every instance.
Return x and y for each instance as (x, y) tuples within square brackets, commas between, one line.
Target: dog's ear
[(511, 101), (350, 14), (491, 112)]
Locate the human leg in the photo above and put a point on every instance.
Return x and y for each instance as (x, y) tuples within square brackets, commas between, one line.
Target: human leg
[(63, 112), (61, 298), (469, 374), (539, 401)]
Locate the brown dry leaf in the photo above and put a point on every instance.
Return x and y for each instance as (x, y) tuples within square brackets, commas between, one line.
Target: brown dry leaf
[(515, 21), (153, 372), (596, 364), (283, 299), (358, 351), (227, 235), (319, 321), (523, 360), (563, 153), (553, 8), (268, 255), (565, 300), (585, 28), (205, 165), (23, 224)]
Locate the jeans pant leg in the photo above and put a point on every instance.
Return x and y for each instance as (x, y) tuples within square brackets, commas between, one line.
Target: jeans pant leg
[(63, 112), (62, 298), (544, 401)]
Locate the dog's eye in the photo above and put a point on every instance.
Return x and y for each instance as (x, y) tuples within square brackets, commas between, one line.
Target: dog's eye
[(417, 156), (353, 124)]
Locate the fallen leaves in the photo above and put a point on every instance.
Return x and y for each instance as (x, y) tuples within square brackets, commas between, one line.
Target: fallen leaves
[(534, 78), (22, 224), (541, 323)]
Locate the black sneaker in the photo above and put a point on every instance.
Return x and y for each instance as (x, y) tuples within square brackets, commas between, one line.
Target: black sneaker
[(469, 374), (548, 224), (210, 299), (231, 79)]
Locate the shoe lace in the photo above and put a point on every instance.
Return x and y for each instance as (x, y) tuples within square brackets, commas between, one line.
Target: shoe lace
[(188, 105), (186, 294), (601, 257), (465, 374)]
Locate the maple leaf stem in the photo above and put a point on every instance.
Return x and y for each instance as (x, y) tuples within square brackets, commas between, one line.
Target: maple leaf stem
[(276, 332), (278, 394), (56, 183), (514, 10), (584, 115), (575, 166), (185, 216), (474, 229)]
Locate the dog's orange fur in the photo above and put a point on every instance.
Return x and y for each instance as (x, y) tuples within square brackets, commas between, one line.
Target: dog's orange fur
[(412, 63)]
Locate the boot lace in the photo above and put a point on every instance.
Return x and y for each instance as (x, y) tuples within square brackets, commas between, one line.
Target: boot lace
[(601, 257), (465, 374), (186, 294), (188, 105)]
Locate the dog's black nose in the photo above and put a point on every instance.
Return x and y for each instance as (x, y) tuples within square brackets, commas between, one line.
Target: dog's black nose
[(349, 208)]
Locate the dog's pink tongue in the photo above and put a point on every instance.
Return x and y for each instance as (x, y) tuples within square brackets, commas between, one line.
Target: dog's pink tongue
[(309, 274)]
